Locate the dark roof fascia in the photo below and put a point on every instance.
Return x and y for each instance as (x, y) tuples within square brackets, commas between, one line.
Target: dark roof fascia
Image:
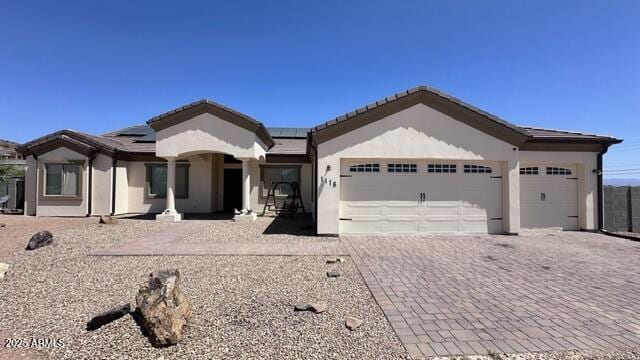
[(192, 110), (569, 144), (288, 158), (55, 142), (435, 99)]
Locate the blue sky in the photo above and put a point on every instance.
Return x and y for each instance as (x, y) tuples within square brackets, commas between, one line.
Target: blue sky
[(98, 66)]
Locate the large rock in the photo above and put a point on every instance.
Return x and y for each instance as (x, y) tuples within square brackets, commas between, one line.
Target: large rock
[(40, 239), (164, 309), (3, 270), (109, 220)]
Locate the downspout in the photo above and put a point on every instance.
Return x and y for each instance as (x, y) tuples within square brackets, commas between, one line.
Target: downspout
[(113, 182), (37, 189), (315, 182), (90, 186), (600, 188)]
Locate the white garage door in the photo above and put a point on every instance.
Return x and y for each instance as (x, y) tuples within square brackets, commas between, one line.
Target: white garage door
[(420, 197), (548, 197)]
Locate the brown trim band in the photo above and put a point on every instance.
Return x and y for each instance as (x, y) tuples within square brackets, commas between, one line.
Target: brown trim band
[(287, 159), (205, 107), (562, 146), (460, 113)]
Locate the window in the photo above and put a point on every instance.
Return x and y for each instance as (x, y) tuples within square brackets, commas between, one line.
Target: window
[(402, 168), (365, 168), (62, 179), (558, 171), (441, 168), (272, 174), (529, 170), (477, 169), (157, 181)]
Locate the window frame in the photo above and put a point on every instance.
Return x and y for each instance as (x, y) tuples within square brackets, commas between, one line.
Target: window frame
[(400, 167), (79, 181), (558, 171), (442, 166), (469, 169), (529, 170), (147, 181), (374, 166), (263, 189)]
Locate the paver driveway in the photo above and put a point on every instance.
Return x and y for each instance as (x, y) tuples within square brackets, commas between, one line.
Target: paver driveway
[(450, 295)]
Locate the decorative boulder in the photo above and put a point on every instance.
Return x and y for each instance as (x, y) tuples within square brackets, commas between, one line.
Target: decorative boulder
[(40, 239), (3, 224), (108, 316), (109, 220), (352, 323), (333, 274), (3, 270), (164, 309)]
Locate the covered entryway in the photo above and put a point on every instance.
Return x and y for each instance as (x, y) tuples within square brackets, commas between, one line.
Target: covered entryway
[(426, 196), (548, 197)]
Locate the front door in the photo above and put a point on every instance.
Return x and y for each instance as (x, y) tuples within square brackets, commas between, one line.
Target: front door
[(232, 189)]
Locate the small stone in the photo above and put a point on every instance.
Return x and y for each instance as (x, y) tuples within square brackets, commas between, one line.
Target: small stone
[(109, 220), (163, 307), (316, 307), (40, 239), (3, 270), (352, 323), (333, 274), (108, 316), (333, 260), (3, 224)]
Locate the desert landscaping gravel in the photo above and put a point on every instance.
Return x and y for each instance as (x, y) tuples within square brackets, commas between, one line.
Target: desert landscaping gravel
[(243, 305)]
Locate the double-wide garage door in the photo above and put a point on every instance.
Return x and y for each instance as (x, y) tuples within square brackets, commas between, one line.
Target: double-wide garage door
[(420, 197)]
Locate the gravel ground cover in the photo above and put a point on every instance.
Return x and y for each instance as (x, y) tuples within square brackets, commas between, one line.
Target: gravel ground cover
[(18, 230), (243, 305)]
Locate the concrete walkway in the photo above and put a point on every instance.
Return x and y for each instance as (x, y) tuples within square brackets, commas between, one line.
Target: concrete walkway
[(266, 236)]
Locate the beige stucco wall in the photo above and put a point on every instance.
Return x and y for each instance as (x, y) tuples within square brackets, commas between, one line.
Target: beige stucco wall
[(257, 201), (199, 200), (122, 187), (418, 132), (102, 185), (30, 186), (587, 164), (62, 207), (208, 133)]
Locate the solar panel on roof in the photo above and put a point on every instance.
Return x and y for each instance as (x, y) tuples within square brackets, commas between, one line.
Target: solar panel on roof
[(147, 138), (288, 132), (139, 130), (274, 131)]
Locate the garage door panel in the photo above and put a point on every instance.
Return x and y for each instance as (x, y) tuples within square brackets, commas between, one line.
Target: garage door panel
[(548, 202), (453, 202)]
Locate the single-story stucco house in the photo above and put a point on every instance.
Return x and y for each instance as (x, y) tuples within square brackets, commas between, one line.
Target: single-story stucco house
[(419, 161)]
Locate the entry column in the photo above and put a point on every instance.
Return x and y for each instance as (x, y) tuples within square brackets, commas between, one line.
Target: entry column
[(170, 213), (246, 213)]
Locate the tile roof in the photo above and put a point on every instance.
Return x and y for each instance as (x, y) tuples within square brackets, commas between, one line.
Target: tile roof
[(427, 89), (289, 146), (552, 134)]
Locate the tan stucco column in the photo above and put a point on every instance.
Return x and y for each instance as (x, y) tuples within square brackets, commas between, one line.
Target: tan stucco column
[(246, 185), (246, 213), (170, 213)]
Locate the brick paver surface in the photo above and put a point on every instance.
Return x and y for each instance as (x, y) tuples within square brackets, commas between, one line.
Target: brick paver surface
[(464, 295)]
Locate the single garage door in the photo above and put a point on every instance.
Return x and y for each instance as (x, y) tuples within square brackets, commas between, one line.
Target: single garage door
[(403, 196), (548, 197)]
